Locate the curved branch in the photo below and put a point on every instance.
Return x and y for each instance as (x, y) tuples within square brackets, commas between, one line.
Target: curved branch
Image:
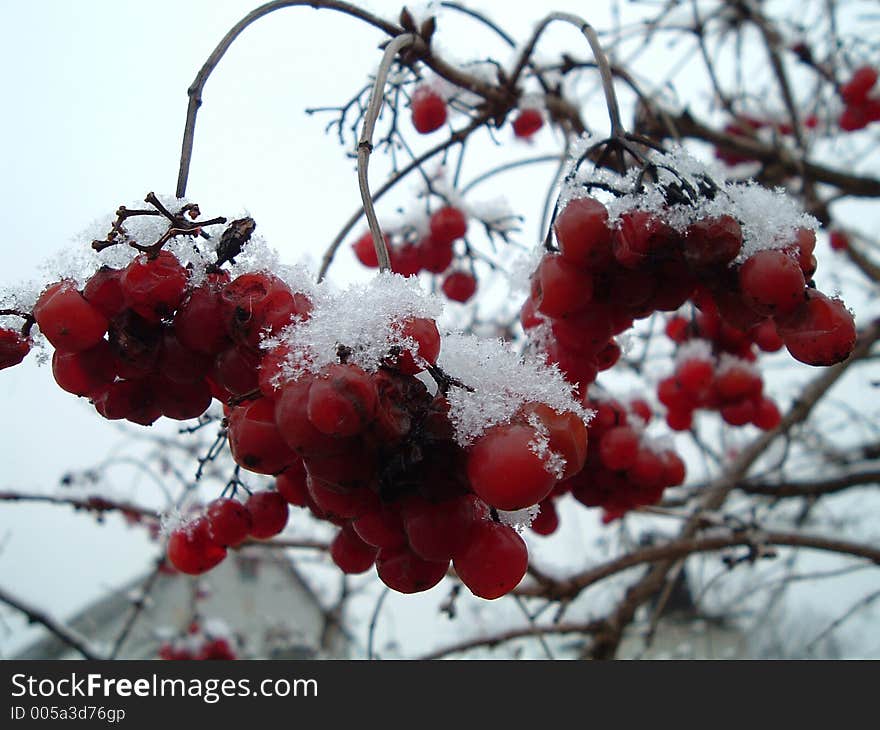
[(35, 615), (93, 503), (815, 488)]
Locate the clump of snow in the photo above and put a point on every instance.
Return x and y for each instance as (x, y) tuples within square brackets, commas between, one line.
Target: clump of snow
[(519, 519), (768, 218), (364, 318), (502, 381), (694, 349), (729, 362)]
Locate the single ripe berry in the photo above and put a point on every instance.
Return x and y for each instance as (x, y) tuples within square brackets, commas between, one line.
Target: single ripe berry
[(508, 468), (229, 522), (493, 562), (103, 290), (820, 332), (428, 110), (436, 257), (619, 447), (351, 554), (712, 242), (291, 484), (448, 224), (560, 288), (438, 530), (547, 520), (342, 401), (426, 336), (13, 348), (405, 572), (67, 320), (527, 122), (583, 233), (772, 283), (154, 287), (459, 286), (365, 250), (254, 438), (838, 240), (269, 513), (855, 91), (191, 549)]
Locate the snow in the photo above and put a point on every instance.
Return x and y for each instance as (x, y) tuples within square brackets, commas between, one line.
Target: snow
[(519, 519), (502, 381)]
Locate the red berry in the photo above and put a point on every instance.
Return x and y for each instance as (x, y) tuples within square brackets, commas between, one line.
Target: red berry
[(67, 320), (406, 260), (365, 250), (191, 549), (767, 415), (583, 234), (405, 572), (448, 224), (199, 323), (351, 554), (618, 448), (428, 110), (154, 287), (427, 339), (772, 282), (254, 439), (84, 373), (559, 288), (381, 526), (291, 484), (436, 257), (269, 513), (820, 332), (459, 286), (712, 242), (642, 236), (342, 401), (839, 241), (229, 522), (103, 290), (13, 348), (855, 91), (493, 562), (505, 469), (695, 376), (527, 122), (437, 531), (547, 520)]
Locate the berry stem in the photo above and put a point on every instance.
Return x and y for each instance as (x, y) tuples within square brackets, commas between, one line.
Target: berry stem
[(365, 144)]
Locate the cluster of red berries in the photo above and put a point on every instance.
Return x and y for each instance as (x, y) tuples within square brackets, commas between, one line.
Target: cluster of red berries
[(428, 110), (603, 279), (433, 253), (201, 543), (624, 469), (375, 453), (197, 645), (715, 370), (142, 342), (860, 109)]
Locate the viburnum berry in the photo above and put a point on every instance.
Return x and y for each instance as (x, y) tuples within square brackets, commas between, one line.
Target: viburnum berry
[(838, 240), (14, 346), (448, 224), (350, 553), (527, 122), (86, 372), (67, 320), (459, 286), (437, 531), (405, 572), (229, 522), (103, 291), (199, 322), (583, 233), (547, 520), (820, 332), (365, 250), (254, 438), (767, 415), (154, 287), (428, 110), (619, 447), (856, 90), (192, 550), (406, 260), (712, 242), (772, 282), (436, 257), (493, 562), (381, 526), (291, 484), (507, 470), (427, 338), (559, 288), (133, 400), (640, 236), (342, 400), (269, 513)]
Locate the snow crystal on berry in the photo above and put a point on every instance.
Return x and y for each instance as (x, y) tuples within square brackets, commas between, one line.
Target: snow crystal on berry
[(519, 519), (364, 318), (554, 463), (501, 381), (694, 349)]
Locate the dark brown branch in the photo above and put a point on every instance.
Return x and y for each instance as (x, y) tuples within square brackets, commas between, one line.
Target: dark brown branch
[(35, 615), (94, 503), (815, 488)]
